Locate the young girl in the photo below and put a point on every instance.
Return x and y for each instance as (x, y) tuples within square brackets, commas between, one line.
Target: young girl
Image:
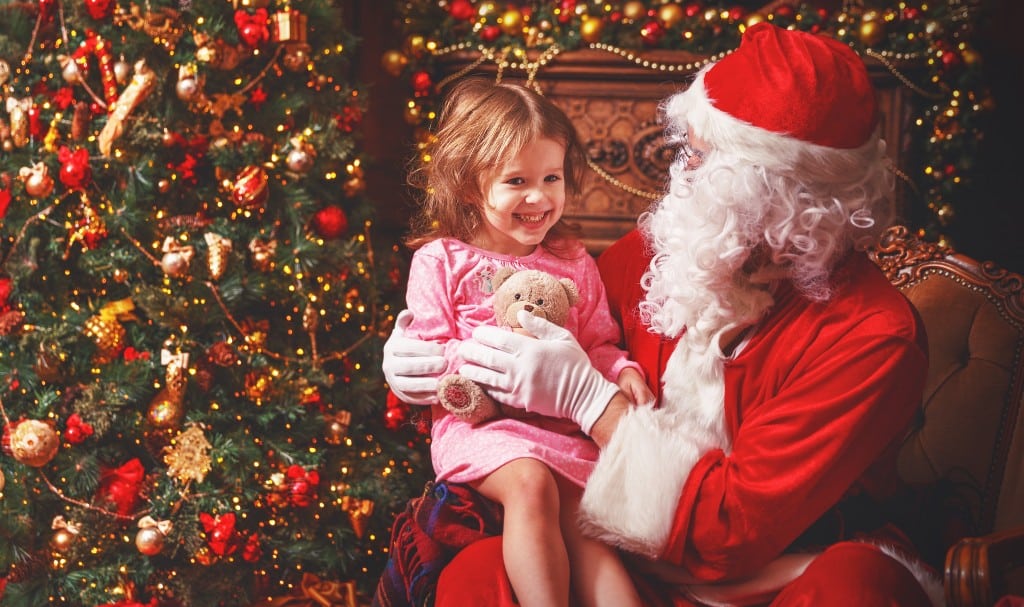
[(494, 187)]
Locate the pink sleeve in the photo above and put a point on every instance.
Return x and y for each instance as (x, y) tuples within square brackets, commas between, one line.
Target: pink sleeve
[(429, 298)]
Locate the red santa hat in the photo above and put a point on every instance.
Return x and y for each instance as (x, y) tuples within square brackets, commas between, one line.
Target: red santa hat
[(804, 86)]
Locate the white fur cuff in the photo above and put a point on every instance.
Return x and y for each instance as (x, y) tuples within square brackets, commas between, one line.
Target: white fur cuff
[(631, 498)]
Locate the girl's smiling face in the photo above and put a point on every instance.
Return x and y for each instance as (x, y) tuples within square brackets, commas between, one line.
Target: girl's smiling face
[(523, 199)]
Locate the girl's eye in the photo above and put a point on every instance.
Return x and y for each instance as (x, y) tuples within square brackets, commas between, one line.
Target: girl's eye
[(552, 178), (515, 181)]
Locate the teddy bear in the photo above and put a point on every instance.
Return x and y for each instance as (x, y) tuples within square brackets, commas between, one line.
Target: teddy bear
[(539, 293)]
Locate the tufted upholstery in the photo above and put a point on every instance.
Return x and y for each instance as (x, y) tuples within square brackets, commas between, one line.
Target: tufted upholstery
[(970, 436)]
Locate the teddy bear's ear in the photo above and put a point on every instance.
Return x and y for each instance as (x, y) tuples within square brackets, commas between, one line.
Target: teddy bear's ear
[(570, 290), (501, 275)]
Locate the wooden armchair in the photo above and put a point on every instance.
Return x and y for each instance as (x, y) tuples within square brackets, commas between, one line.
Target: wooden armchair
[(971, 433)]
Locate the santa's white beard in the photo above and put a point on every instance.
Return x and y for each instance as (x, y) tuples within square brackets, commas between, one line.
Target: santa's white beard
[(702, 234)]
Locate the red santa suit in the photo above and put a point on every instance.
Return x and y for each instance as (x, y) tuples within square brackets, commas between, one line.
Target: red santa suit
[(815, 404)]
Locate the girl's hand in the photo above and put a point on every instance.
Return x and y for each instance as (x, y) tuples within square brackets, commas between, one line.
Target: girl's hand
[(632, 384)]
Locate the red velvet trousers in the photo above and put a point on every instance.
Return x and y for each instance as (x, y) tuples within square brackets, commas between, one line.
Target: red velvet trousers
[(848, 574)]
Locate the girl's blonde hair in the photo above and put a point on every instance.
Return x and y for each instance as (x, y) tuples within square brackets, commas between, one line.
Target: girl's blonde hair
[(483, 125)]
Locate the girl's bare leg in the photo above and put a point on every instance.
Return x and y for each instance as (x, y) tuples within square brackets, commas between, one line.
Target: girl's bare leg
[(599, 578), (535, 556)]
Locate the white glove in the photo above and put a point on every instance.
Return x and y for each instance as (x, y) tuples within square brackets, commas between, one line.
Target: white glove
[(550, 375), (412, 366)]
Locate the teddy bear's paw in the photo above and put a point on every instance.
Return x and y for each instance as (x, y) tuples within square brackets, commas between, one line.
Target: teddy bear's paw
[(465, 399)]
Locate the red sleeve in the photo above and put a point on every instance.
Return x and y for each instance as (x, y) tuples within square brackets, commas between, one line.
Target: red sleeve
[(796, 453), (622, 267)]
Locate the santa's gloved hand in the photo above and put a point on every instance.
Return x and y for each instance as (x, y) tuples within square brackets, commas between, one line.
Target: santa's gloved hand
[(550, 375), (412, 366)]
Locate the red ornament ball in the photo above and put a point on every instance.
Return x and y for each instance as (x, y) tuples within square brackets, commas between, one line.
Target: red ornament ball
[(421, 83), (99, 9), (250, 189), (652, 32), (461, 10), (75, 174), (394, 417), (330, 222), (490, 33)]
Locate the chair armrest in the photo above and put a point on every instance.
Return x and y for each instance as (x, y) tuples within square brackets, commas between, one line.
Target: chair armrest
[(977, 567)]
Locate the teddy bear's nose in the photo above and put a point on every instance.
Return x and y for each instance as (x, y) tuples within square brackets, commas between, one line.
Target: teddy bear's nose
[(528, 307)]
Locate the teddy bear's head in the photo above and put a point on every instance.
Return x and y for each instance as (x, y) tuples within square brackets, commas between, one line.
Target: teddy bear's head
[(537, 292)]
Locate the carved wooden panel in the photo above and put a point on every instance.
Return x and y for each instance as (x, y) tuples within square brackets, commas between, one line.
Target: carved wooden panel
[(613, 99)]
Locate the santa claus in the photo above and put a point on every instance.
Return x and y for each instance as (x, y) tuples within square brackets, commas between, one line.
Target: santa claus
[(788, 368)]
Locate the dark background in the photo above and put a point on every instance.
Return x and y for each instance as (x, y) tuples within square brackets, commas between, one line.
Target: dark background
[(989, 222)]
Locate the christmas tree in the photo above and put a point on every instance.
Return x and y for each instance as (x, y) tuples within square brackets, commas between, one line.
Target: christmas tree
[(191, 309)]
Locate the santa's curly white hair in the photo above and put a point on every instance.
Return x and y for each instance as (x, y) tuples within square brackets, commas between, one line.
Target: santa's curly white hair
[(761, 206)]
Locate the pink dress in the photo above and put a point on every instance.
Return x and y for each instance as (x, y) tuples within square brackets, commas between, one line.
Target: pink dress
[(450, 294)]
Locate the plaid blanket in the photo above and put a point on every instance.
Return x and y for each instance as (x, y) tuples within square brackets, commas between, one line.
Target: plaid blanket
[(427, 536)]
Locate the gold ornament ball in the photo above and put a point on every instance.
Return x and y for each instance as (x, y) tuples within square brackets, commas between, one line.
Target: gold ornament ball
[(122, 71), (300, 160), (634, 10), (49, 366), (187, 89), (671, 14), (34, 443), (335, 432), (39, 185), (512, 22), (296, 57), (61, 540), (165, 411), (591, 28), (71, 73), (393, 62), (174, 264), (871, 32), (149, 541)]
